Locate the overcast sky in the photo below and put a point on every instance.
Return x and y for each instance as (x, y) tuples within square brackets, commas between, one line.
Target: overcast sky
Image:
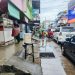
[(50, 8)]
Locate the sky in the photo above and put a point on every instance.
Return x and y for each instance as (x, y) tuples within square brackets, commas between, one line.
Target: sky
[(50, 8)]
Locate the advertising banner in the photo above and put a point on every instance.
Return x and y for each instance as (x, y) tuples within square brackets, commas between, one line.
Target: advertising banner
[(71, 12), (71, 15), (12, 11)]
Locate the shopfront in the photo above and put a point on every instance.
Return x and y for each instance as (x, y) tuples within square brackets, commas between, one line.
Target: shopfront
[(5, 30), (6, 24)]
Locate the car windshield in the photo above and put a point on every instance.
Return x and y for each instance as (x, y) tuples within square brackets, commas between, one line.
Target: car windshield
[(67, 29)]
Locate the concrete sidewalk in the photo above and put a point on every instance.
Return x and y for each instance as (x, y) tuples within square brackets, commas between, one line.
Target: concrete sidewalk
[(23, 65), (26, 64), (51, 66), (14, 55)]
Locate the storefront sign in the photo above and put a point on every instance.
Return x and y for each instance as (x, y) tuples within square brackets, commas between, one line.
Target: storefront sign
[(13, 11), (71, 15), (71, 11)]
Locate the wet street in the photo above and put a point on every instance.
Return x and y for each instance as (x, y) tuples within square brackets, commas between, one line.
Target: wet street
[(6, 53)]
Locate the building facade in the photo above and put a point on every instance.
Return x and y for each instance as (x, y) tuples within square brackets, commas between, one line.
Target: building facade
[(62, 18), (14, 11)]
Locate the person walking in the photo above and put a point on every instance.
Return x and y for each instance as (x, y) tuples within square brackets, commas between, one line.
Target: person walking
[(16, 32), (50, 33)]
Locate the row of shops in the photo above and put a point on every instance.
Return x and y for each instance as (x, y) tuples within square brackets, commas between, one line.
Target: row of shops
[(12, 11)]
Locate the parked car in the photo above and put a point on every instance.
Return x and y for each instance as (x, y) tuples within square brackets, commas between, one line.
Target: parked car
[(61, 33), (69, 48)]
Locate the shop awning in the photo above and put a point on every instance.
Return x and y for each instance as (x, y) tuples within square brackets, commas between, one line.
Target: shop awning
[(13, 11)]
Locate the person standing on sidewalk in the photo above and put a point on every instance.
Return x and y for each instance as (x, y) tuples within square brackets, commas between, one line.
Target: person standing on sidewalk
[(16, 32)]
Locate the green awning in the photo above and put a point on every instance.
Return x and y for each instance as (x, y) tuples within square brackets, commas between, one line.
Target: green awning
[(13, 11)]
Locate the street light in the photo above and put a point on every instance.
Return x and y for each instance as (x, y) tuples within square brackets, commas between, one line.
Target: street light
[(0, 0)]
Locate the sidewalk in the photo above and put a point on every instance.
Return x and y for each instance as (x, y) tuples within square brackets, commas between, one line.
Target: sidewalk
[(19, 62), (51, 65), (14, 55), (23, 65)]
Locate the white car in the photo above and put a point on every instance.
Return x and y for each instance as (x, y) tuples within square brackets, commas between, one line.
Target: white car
[(61, 33)]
